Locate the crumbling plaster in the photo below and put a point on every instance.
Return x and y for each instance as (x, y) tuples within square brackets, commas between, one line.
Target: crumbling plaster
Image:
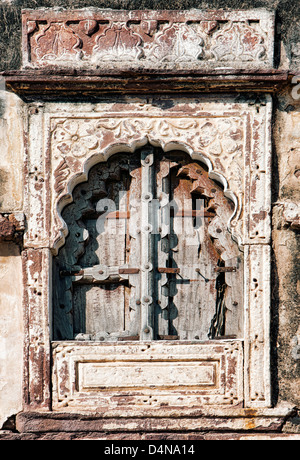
[(11, 228), (11, 331)]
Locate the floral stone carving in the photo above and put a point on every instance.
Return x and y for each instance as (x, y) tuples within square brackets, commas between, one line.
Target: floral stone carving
[(168, 40)]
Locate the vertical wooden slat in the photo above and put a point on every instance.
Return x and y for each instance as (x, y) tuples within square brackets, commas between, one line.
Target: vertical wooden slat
[(147, 246), (162, 241), (133, 246)]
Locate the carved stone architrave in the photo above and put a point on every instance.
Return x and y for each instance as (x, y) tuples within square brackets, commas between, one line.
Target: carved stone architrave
[(191, 39), (232, 139)]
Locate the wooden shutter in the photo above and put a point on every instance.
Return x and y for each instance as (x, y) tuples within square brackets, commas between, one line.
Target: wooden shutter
[(149, 255)]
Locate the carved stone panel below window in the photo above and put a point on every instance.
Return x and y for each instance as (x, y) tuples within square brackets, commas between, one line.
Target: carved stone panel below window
[(148, 375)]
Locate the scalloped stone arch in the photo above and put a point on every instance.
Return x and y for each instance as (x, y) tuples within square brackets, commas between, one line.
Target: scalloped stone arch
[(67, 198)]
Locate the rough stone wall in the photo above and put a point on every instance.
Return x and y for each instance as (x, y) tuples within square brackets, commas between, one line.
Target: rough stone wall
[(11, 331), (286, 195)]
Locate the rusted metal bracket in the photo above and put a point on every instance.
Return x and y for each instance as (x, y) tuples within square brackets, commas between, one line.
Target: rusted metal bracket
[(225, 269), (121, 271), (172, 271), (129, 271), (180, 213), (191, 213), (132, 271), (217, 270), (131, 338)]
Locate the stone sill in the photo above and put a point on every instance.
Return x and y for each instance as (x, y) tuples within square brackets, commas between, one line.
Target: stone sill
[(157, 420), (55, 82)]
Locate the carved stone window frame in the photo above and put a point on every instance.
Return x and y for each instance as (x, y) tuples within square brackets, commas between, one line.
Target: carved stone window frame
[(52, 178), (120, 124)]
